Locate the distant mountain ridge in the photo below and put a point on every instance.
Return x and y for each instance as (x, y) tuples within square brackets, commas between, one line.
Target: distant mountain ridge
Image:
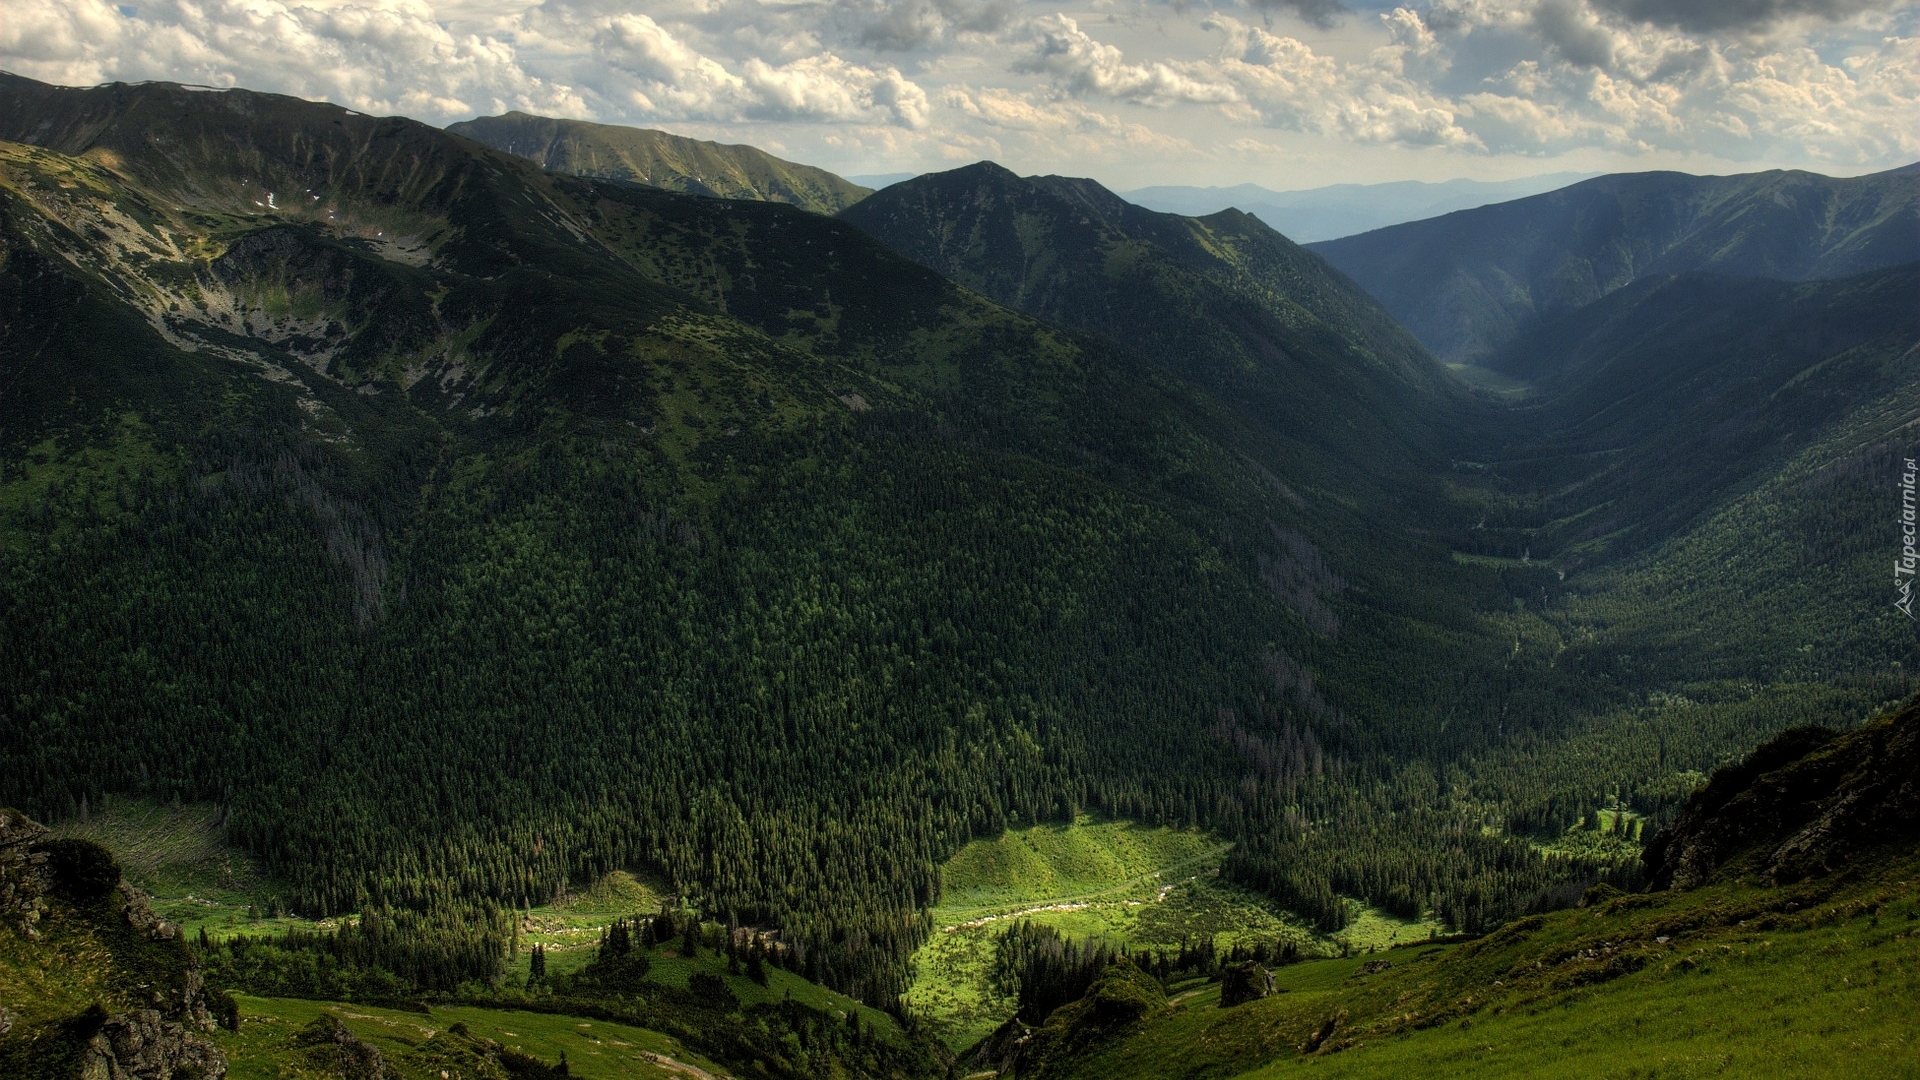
[(1325, 213), (1468, 283), (662, 160)]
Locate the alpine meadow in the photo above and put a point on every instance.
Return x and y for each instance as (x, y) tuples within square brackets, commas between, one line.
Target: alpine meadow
[(542, 598)]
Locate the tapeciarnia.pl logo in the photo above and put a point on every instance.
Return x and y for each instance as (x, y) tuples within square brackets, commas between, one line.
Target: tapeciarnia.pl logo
[(1903, 567)]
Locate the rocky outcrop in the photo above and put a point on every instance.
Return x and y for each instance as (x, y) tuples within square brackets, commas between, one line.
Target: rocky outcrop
[(1241, 983), (142, 1044), (25, 877), (1807, 803), (154, 1007), (997, 1052), (333, 1048)]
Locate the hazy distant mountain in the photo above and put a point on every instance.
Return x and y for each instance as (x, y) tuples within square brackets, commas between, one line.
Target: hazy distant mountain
[(876, 181), (1324, 213), (658, 159), (1471, 281)]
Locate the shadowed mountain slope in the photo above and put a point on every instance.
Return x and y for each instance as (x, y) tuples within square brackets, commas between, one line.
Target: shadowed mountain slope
[(658, 159), (1659, 400), (1223, 301), (1468, 283)]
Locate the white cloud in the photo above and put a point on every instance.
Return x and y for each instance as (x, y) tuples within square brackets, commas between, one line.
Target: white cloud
[(868, 85), (385, 57), (1082, 66), (1289, 85)]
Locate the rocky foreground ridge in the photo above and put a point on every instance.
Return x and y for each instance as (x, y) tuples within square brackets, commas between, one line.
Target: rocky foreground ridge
[(93, 984)]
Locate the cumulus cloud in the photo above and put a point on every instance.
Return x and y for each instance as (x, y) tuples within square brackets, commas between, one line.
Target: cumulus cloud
[(1082, 66), (1574, 33), (1321, 13), (1287, 84), (672, 80), (1715, 15), (876, 84), (903, 25), (381, 57)]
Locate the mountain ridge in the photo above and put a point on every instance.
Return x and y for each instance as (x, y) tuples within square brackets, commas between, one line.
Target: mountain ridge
[(662, 160), (1469, 282)]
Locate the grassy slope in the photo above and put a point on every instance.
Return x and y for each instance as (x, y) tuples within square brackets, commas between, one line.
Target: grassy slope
[(1116, 880), (263, 1047), (1741, 987), (181, 857)]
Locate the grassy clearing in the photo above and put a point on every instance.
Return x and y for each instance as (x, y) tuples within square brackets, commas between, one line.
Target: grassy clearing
[(181, 857), (1129, 884), (1372, 930), (1734, 980), (569, 928), (263, 1048)]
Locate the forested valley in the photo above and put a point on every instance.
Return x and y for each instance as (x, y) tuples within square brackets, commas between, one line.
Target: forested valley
[(463, 533)]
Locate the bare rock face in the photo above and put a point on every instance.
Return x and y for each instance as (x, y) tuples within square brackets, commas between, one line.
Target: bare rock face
[(331, 1046), (998, 1052), (24, 875)]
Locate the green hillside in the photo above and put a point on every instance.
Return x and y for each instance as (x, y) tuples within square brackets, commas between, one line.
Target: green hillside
[(1470, 282), (1732, 376), (1223, 301), (1791, 952), (660, 160)]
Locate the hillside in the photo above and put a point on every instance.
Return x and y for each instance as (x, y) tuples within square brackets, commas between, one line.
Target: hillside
[(1339, 400), (660, 160), (1788, 931), (1731, 376), (1468, 283), (1223, 299)]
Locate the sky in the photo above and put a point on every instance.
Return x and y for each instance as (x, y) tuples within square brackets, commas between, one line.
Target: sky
[(1282, 93)]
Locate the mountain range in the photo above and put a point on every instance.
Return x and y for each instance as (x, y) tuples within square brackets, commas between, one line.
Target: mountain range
[(471, 521), (1336, 210), (1469, 282)]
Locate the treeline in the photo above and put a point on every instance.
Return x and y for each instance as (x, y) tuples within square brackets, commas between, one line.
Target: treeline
[(384, 954), (1042, 969)]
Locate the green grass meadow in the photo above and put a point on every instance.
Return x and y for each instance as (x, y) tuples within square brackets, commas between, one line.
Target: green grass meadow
[(1126, 883)]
